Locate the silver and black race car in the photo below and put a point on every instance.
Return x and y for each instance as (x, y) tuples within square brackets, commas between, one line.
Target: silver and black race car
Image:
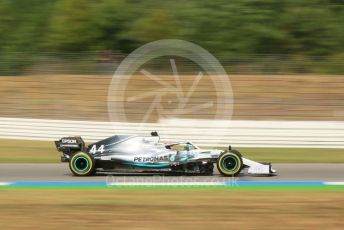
[(125, 154)]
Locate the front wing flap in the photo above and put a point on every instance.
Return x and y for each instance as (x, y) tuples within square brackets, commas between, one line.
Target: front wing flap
[(256, 168)]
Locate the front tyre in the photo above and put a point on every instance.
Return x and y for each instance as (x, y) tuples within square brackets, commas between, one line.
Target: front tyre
[(82, 164), (230, 163)]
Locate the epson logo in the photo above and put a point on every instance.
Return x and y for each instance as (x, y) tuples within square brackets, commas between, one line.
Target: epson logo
[(68, 141)]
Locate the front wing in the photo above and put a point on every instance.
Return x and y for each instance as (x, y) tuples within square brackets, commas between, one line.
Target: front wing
[(256, 168)]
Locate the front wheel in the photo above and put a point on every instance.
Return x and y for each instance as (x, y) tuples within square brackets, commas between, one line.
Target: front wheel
[(82, 164), (230, 163)]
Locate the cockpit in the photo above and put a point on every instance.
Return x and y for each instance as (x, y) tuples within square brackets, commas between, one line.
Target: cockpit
[(181, 146)]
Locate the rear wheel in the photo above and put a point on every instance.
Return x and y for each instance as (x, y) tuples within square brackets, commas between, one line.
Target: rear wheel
[(82, 164), (230, 163)]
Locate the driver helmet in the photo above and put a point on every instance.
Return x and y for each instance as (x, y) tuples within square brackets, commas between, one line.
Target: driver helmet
[(187, 147)]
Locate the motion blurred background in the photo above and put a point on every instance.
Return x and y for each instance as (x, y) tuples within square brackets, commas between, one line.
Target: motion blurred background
[(285, 62), (284, 58)]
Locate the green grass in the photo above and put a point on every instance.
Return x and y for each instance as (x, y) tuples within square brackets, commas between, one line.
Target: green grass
[(20, 151)]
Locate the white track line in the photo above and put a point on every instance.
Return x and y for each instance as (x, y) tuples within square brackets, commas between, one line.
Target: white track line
[(334, 183), (4, 183)]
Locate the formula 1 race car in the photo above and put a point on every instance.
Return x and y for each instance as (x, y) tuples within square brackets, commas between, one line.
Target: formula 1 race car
[(123, 153)]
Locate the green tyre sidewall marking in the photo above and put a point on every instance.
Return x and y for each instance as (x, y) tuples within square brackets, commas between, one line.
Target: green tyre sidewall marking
[(77, 168), (223, 165)]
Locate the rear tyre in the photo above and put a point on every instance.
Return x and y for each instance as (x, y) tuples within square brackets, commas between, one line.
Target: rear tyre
[(82, 164), (230, 163)]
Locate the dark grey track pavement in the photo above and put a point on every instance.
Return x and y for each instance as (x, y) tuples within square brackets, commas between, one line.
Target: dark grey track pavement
[(60, 172)]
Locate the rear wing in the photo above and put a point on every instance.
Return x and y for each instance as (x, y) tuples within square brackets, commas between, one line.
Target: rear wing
[(69, 145)]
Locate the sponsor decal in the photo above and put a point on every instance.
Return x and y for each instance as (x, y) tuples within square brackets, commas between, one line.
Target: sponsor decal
[(151, 159), (68, 141)]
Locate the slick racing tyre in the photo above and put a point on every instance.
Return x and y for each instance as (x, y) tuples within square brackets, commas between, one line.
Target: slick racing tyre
[(230, 163), (82, 164)]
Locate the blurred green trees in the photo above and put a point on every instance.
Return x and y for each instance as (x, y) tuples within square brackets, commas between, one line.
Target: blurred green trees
[(299, 29)]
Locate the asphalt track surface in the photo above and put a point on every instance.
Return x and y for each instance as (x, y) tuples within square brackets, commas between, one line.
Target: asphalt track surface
[(61, 172)]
